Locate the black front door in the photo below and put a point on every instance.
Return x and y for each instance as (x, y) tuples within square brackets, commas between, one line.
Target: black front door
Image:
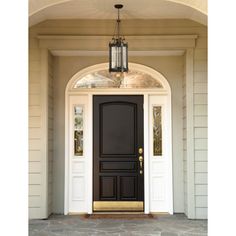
[(118, 183)]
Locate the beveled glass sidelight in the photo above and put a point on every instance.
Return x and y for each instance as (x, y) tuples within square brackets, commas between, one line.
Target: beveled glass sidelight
[(157, 131), (78, 130)]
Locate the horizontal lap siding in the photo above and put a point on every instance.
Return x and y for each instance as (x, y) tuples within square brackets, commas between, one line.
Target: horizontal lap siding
[(200, 127), (200, 124), (35, 164)]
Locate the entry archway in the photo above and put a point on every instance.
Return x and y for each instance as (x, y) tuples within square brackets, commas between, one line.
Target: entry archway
[(158, 189)]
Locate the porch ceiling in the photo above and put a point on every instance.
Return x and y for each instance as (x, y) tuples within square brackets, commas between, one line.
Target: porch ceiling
[(103, 9)]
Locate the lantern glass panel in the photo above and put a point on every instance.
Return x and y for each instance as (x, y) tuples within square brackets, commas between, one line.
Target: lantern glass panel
[(124, 57), (113, 57), (118, 57)]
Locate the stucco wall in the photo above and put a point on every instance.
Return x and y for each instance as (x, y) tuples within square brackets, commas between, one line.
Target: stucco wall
[(38, 160)]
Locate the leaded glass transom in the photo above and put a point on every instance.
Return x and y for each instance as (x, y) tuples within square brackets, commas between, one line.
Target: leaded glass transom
[(104, 79)]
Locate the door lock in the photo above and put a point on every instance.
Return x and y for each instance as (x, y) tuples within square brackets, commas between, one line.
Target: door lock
[(140, 151), (141, 164)]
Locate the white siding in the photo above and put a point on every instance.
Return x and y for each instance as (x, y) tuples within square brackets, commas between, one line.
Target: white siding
[(200, 133), (38, 169), (201, 189), (201, 212), (35, 187), (200, 127), (200, 155)]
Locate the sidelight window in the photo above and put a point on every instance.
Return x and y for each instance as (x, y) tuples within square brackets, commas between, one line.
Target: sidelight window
[(157, 131), (78, 130)]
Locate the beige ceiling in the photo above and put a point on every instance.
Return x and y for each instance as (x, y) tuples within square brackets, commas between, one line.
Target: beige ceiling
[(40, 10)]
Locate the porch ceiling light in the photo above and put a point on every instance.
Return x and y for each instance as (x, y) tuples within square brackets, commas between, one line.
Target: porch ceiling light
[(118, 48)]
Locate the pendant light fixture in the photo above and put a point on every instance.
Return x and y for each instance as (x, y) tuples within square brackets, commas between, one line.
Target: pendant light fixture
[(118, 48)]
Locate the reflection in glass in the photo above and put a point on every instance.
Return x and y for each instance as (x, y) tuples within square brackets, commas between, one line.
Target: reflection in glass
[(78, 130), (104, 79), (157, 131)]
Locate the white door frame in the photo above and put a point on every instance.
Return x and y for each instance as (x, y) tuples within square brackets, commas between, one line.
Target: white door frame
[(164, 92)]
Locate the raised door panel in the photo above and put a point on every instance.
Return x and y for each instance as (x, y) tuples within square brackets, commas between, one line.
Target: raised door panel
[(108, 187), (118, 128), (128, 187)]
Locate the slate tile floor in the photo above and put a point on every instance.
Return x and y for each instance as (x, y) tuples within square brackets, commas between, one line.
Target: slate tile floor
[(175, 225)]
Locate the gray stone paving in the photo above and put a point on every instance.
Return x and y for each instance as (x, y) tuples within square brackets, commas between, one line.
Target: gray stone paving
[(175, 225)]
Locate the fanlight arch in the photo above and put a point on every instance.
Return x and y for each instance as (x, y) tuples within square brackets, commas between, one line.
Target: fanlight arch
[(138, 77)]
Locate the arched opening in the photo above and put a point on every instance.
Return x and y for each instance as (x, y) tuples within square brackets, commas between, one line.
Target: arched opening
[(139, 77), (154, 94)]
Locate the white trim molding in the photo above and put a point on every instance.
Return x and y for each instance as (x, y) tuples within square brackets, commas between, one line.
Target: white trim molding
[(44, 127), (99, 43), (84, 97), (86, 53)]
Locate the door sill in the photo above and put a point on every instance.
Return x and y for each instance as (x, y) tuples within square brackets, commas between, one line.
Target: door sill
[(118, 206), (120, 215), (119, 212)]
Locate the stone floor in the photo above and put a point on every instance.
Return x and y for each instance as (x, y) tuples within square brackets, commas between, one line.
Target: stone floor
[(175, 225)]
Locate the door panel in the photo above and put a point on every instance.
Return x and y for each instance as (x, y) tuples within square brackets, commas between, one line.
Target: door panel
[(118, 135), (118, 166), (108, 187), (128, 187), (118, 128)]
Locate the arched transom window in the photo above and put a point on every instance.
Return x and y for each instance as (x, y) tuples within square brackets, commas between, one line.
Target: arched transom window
[(104, 79)]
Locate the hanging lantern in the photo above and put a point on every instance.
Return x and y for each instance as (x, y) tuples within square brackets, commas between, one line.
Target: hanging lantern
[(118, 49)]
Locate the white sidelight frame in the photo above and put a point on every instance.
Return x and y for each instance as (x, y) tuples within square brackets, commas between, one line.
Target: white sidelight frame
[(153, 96)]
